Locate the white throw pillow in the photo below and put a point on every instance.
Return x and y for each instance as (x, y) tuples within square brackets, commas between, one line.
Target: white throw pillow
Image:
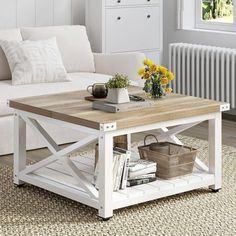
[(34, 62), (72, 42), (8, 34)]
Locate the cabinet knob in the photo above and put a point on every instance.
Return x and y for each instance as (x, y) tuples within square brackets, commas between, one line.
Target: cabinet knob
[(118, 18), (118, 1), (148, 0), (148, 16)]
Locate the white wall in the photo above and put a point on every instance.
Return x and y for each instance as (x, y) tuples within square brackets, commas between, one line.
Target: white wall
[(19, 13), (78, 11), (171, 34)]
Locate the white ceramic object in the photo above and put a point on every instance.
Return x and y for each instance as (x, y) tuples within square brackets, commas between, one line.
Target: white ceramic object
[(118, 96)]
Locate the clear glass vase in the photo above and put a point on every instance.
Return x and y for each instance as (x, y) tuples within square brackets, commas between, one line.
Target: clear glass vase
[(154, 90)]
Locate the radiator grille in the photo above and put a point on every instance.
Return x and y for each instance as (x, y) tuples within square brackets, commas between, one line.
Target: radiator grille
[(204, 71)]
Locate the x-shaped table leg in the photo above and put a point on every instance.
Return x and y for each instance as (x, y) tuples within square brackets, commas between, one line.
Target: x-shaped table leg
[(58, 154)]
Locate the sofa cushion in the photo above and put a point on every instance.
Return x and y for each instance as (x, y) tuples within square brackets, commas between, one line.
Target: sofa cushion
[(72, 42), (10, 35), (79, 81), (34, 62)]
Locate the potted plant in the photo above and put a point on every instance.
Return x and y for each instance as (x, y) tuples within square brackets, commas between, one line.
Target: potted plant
[(117, 89)]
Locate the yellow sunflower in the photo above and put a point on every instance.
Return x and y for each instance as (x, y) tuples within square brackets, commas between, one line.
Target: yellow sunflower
[(148, 62), (146, 75), (163, 70), (170, 75), (154, 68), (164, 81), (141, 71)]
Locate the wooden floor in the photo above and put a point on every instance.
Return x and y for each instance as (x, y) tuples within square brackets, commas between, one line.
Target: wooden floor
[(200, 131)]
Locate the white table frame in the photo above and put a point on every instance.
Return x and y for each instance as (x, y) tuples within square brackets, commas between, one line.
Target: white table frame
[(104, 199)]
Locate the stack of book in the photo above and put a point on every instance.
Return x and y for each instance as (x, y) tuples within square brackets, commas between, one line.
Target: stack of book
[(121, 159), (141, 172), (127, 173)]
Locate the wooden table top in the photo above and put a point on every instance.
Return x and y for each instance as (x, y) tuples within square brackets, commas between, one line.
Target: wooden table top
[(72, 107)]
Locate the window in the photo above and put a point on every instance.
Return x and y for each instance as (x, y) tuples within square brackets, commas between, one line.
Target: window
[(216, 14)]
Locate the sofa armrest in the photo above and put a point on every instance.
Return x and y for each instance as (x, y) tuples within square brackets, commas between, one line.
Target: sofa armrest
[(124, 63)]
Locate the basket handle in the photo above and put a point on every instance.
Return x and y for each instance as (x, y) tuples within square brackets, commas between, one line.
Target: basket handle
[(150, 135), (191, 148)]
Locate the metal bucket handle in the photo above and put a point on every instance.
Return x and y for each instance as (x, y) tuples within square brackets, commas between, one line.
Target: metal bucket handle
[(153, 136), (149, 135)]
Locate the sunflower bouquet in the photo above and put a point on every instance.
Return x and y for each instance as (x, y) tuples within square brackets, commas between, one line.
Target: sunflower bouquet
[(157, 79)]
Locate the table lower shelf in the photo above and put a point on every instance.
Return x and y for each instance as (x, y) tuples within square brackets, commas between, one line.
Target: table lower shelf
[(56, 179)]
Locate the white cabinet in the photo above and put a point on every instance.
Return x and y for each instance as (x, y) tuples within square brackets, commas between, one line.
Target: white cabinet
[(131, 2), (126, 26)]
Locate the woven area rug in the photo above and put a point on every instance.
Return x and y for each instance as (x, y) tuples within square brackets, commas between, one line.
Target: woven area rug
[(32, 211)]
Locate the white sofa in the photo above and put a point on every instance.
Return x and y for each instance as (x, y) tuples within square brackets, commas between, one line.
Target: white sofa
[(69, 37)]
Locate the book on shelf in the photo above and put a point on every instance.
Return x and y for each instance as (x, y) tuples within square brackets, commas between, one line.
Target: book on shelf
[(127, 172), (118, 173), (113, 108), (120, 169), (143, 171), (125, 169), (140, 164), (116, 159), (135, 182), (146, 176)]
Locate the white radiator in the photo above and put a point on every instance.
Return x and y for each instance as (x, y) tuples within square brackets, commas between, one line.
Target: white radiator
[(204, 71)]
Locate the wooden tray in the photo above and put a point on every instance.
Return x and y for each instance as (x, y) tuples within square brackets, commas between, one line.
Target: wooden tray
[(92, 99)]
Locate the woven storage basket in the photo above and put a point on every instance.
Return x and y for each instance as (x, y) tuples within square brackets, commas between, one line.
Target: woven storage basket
[(172, 160)]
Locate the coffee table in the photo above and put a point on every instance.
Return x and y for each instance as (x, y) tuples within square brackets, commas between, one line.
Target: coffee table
[(71, 177)]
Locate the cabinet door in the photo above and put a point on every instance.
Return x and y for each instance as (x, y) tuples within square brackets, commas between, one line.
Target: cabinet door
[(132, 29), (130, 2)]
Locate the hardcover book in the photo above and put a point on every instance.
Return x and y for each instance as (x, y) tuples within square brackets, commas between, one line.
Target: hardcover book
[(120, 169), (140, 164), (151, 175), (135, 182), (114, 108), (125, 171), (144, 171), (116, 163)]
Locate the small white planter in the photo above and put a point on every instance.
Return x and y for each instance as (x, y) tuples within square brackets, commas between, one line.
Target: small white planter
[(118, 96)]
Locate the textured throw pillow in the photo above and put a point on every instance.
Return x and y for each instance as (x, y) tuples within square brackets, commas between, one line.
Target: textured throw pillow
[(72, 41), (7, 34), (34, 61)]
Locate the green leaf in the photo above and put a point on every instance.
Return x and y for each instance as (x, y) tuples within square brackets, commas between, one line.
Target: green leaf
[(118, 81)]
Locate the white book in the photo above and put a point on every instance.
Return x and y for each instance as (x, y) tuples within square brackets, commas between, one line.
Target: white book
[(125, 170), (95, 176), (144, 171), (115, 168), (121, 161), (141, 164)]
